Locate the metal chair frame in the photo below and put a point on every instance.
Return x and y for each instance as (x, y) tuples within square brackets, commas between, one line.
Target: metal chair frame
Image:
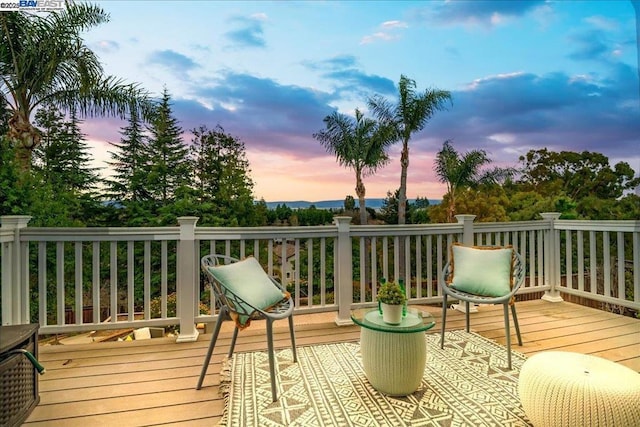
[(227, 302), (518, 273)]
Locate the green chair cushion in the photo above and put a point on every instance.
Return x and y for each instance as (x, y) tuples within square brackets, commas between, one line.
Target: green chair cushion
[(247, 280), (482, 271)]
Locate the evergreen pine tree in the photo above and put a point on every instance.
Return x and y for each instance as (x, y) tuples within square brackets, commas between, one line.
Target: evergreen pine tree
[(82, 177), (61, 183), (63, 157), (169, 167), (130, 161)]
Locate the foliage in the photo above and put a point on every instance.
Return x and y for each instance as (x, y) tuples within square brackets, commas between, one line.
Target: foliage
[(421, 202), (314, 216), (349, 203), (129, 162), (223, 186), (464, 172), (579, 185), (391, 293), (168, 168), (625, 208), (525, 205), (43, 59), (12, 193), (358, 143), (419, 211), (57, 192), (410, 115), (284, 215), (389, 209), (62, 157), (576, 175)]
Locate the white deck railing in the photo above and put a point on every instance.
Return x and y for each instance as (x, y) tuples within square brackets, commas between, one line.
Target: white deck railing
[(83, 279)]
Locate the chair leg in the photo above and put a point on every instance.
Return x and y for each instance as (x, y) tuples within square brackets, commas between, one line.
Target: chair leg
[(444, 319), (274, 393), (508, 333), (515, 323), (293, 339), (221, 315), (233, 341), (466, 313)]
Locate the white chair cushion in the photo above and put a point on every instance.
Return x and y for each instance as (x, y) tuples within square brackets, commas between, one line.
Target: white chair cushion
[(482, 271), (247, 280)]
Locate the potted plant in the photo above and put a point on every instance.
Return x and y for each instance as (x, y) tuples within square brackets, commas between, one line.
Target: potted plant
[(392, 299)]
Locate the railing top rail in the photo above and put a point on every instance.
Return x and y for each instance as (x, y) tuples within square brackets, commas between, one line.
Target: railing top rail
[(487, 227), (77, 234), (599, 225), (407, 229), (242, 233)]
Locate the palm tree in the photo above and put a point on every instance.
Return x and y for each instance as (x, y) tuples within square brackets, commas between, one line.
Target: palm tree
[(464, 171), (43, 59), (408, 116), (358, 143)]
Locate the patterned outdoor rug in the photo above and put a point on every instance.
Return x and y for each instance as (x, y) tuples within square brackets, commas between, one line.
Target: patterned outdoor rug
[(466, 384)]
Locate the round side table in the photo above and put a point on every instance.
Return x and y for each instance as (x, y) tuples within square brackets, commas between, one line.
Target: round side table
[(393, 356)]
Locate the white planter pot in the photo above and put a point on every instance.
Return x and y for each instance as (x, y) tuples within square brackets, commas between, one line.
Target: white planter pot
[(392, 313)]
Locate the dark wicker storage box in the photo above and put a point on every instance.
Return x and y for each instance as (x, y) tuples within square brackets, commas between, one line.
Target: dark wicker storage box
[(18, 377)]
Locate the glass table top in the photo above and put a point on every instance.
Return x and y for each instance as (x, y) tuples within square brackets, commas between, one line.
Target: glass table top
[(415, 321)]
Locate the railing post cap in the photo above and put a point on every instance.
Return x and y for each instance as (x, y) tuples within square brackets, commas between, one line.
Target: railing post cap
[(343, 223), (15, 221), (342, 219), (187, 219), (465, 217), (550, 215)]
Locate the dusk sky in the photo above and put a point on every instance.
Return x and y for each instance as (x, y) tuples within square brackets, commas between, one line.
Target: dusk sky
[(523, 75)]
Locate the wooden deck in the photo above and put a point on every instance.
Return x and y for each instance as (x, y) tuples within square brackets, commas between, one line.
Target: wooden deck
[(153, 382)]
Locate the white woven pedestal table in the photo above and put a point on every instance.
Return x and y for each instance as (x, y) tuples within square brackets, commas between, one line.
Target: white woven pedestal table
[(393, 356), (558, 389)]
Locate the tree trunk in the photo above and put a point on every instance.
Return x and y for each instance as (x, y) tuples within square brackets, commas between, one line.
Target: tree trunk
[(25, 138), (402, 206), (23, 158), (451, 208), (402, 193), (361, 192)]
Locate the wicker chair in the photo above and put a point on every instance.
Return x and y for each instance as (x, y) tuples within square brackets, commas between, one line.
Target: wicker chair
[(233, 307), (517, 273)]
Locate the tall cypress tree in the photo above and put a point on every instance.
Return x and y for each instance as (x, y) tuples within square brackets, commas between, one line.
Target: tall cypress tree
[(168, 155), (130, 161), (63, 157), (62, 183), (82, 177)]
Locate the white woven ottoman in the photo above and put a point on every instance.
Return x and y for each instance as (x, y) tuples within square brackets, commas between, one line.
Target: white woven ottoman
[(558, 388)]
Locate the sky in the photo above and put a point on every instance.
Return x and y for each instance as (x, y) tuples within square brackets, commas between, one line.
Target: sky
[(523, 75)]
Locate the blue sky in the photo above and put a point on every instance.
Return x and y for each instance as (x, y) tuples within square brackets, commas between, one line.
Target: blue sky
[(523, 75)]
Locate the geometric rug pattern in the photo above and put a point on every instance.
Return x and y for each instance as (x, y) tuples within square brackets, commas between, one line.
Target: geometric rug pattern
[(465, 384)]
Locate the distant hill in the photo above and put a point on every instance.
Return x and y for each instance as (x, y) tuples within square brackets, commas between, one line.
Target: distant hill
[(333, 204)]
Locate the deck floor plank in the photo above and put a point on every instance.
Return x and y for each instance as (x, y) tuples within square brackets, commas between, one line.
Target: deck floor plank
[(153, 382)]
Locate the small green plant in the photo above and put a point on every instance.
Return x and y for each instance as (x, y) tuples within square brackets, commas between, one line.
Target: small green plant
[(391, 293)]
